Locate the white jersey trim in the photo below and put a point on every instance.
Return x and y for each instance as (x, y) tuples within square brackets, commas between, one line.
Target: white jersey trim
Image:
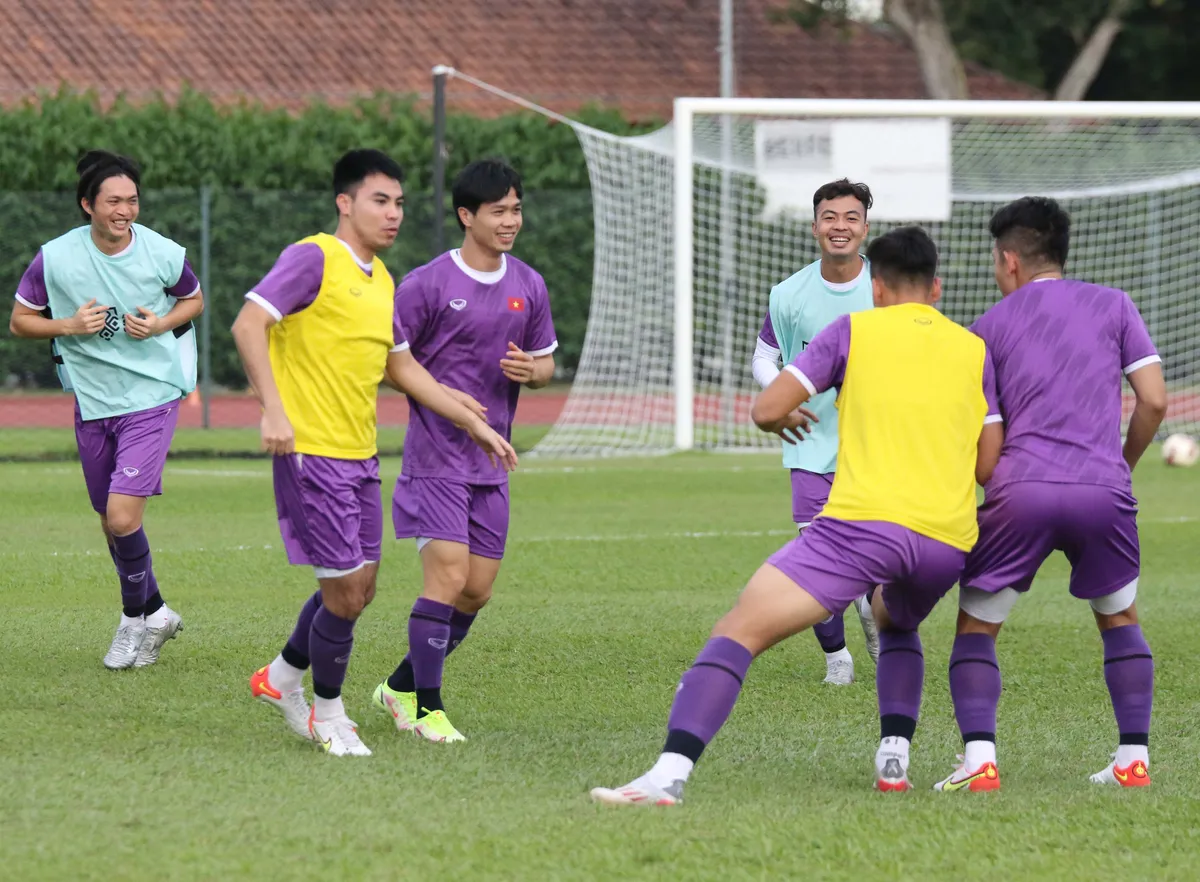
[(21, 300), (538, 353), (478, 275), (765, 364), (1141, 363), (365, 267), (189, 296), (800, 375), (992, 418), (265, 304), (843, 287), (400, 347)]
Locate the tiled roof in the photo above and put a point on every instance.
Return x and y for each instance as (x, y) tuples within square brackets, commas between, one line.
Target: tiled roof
[(637, 54)]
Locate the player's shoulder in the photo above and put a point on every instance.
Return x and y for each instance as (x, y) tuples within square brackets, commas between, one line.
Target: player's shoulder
[(155, 239), (799, 280), (72, 238)]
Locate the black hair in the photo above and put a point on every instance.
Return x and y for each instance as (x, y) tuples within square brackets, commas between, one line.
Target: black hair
[(356, 166), (97, 166), (905, 256), (481, 182), (1035, 228), (843, 187)]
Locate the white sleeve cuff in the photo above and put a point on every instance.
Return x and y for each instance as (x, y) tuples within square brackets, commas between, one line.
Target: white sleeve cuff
[(265, 304), (538, 353), (800, 375), (21, 300), (992, 418), (193, 294), (1140, 363), (400, 347)]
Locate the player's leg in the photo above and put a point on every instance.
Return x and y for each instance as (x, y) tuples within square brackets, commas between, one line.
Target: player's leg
[(800, 585), (344, 596), (1103, 549), (929, 571), (143, 440), (1017, 532)]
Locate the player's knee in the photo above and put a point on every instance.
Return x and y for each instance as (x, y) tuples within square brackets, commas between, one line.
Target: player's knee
[(122, 520), (472, 601)]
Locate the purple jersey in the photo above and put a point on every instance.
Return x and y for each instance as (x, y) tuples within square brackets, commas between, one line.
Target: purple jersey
[(459, 323), (1060, 348), (31, 290)]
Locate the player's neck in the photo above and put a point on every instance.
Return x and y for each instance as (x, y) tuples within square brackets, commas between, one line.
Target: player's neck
[(111, 246), (479, 258), (1040, 277), (840, 270), (362, 252)]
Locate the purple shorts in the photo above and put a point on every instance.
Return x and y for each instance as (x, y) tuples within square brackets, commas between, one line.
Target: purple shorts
[(810, 492), (441, 508), (125, 454), (1021, 524), (839, 561), (330, 510)]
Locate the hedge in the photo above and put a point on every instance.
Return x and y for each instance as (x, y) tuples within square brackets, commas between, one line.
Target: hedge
[(268, 174)]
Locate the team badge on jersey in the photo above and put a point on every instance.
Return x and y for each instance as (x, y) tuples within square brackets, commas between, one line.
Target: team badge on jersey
[(457, 304), (516, 304)]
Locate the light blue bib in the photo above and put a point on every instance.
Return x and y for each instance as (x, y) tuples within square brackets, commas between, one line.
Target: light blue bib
[(110, 372), (801, 306)]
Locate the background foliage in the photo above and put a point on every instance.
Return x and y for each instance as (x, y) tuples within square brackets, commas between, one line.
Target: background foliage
[(268, 172)]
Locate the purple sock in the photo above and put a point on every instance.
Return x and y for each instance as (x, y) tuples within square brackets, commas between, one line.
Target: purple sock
[(831, 634), (706, 696), (899, 678), (975, 686), (295, 651), (133, 556), (330, 640), (428, 639), (1129, 673), (402, 679)]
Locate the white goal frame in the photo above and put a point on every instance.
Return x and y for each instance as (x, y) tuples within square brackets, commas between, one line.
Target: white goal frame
[(686, 110)]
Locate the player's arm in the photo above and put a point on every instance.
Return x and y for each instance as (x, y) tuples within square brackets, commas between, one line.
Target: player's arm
[(250, 334), (144, 323), (765, 364), (991, 438), (1143, 367), (533, 366), (778, 409), (29, 320), (406, 374), (1150, 406), (534, 371)]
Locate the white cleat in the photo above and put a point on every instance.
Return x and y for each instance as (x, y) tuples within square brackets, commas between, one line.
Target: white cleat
[(1136, 774), (640, 792), (156, 637), (839, 669), (891, 770), (870, 630), (292, 705), (126, 644), (338, 736)]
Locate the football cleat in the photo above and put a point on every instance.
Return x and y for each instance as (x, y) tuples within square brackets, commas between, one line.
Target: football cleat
[(1136, 774), (980, 780), (292, 705), (640, 792)]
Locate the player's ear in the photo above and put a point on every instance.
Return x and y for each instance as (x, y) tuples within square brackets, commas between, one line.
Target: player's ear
[(465, 217), (344, 201), (86, 206), (876, 291), (935, 293)]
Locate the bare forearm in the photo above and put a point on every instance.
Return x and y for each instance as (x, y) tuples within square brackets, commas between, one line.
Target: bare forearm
[(416, 382), (38, 327), (256, 359), (543, 372), (183, 311), (1142, 427)]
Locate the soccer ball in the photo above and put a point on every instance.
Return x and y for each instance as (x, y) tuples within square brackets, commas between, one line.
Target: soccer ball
[(1180, 450)]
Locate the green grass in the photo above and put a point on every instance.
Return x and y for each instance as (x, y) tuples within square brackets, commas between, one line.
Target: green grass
[(615, 573), (54, 445)]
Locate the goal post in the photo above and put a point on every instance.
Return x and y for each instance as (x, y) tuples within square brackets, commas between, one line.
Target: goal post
[(666, 359)]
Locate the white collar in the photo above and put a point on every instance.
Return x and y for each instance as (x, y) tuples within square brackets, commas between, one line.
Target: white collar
[(478, 275)]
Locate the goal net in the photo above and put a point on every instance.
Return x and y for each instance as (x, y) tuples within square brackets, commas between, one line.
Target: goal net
[(696, 222)]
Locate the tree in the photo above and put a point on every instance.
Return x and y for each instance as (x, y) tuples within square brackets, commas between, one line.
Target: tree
[(943, 32)]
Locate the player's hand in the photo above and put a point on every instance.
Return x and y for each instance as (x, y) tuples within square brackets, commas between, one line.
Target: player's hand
[(143, 325), (278, 438), (88, 319), (793, 427), (466, 401), (517, 365), (499, 451)]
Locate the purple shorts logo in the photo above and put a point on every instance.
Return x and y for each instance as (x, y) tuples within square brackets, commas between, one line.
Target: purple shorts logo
[(130, 472)]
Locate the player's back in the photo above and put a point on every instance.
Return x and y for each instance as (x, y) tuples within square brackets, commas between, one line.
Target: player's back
[(912, 406), (1059, 348)]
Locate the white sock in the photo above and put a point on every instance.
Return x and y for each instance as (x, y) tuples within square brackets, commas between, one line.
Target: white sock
[(893, 745), (671, 767), (157, 619), (283, 676), (127, 621), (976, 753), (328, 708), (842, 654), (1131, 753)]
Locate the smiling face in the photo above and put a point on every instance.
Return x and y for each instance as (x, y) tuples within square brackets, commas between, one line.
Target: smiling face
[(494, 226), (115, 208), (840, 228)]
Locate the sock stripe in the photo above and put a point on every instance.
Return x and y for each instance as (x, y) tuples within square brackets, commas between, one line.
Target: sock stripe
[(911, 649), (979, 661), (720, 667), (1137, 738), (429, 618), (1121, 658), (979, 736)]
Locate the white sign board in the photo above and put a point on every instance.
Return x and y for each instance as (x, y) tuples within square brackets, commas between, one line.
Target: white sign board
[(905, 162)]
